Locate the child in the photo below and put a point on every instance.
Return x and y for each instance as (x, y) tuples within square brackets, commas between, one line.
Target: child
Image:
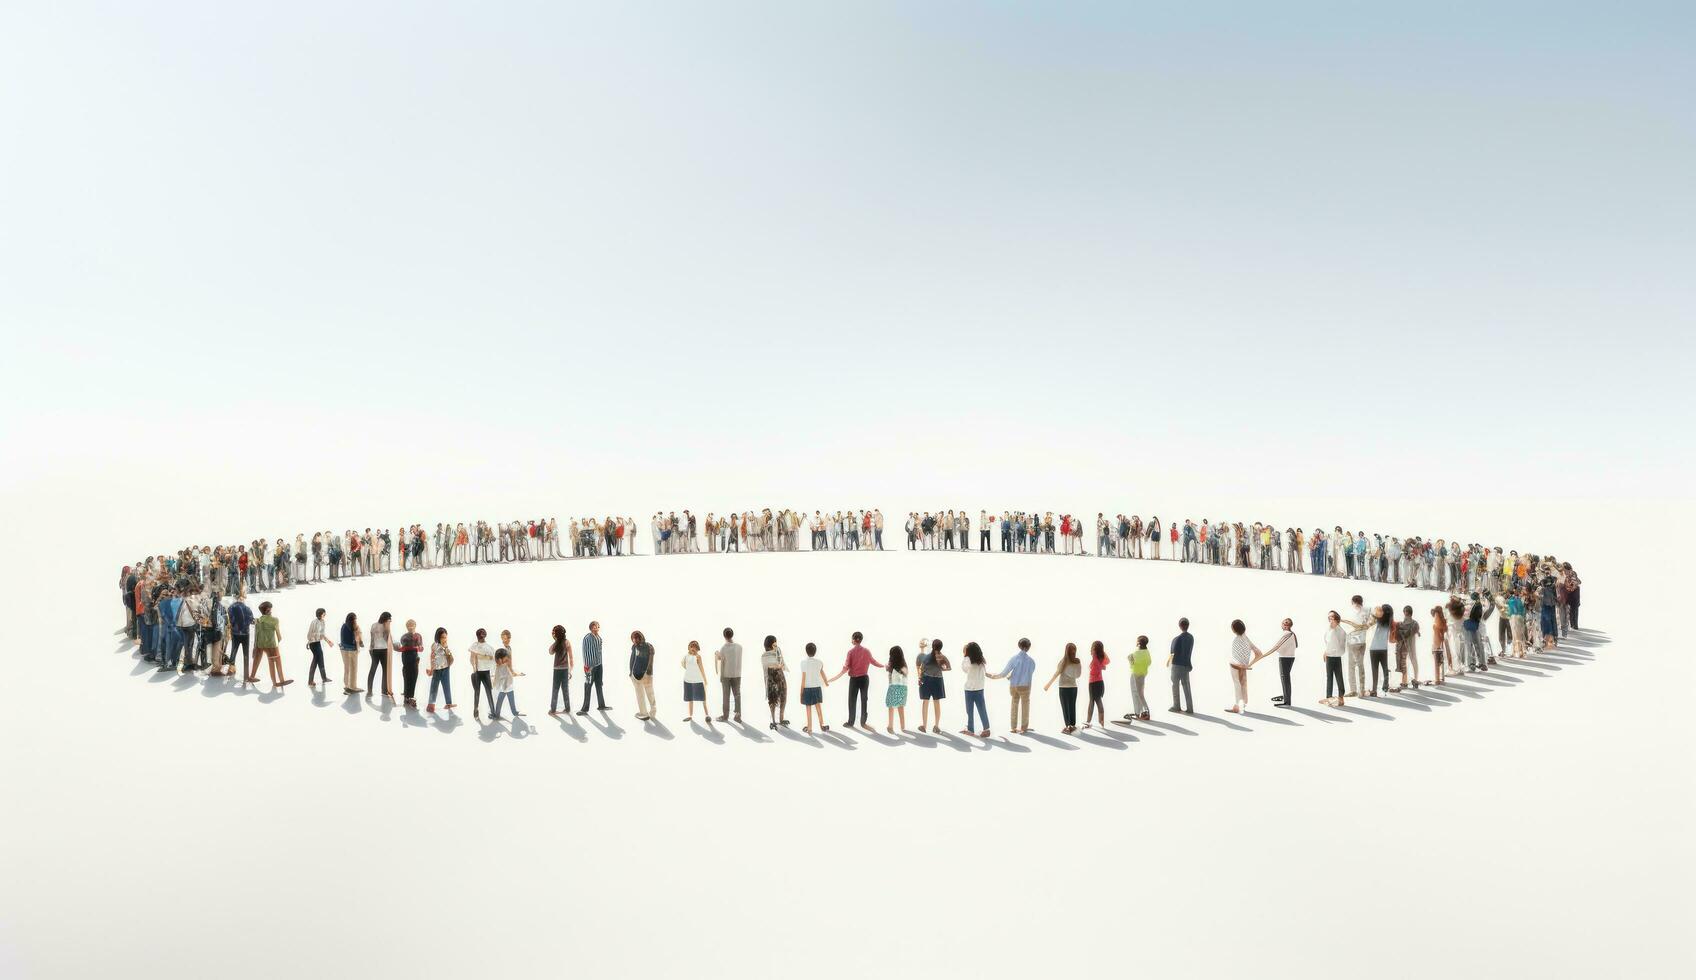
[(1407, 647), (1141, 659), (504, 675), (895, 699), (813, 683), (695, 683)]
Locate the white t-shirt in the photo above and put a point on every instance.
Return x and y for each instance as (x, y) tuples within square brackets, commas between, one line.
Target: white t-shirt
[(1242, 651), (482, 656), (1335, 639), (692, 670), (974, 676), (812, 672)]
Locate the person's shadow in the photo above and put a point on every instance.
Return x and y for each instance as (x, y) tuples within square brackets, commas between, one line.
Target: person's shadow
[(708, 733), (749, 732), (1050, 741), (569, 726), (1098, 738), (1274, 719), (796, 735), (1225, 722), (604, 724), (656, 728), (445, 721), (1324, 716)]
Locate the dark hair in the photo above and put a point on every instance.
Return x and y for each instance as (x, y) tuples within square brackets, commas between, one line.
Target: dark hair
[(385, 617), (1383, 614), (771, 641), (897, 659), (974, 653), (812, 648), (1184, 623), (858, 636), (728, 632), (935, 646), (1097, 651), (482, 635), (1024, 643), (637, 637), (319, 614), (502, 654), (350, 620), (1071, 654), (265, 607), (1355, 598), (1237, 627), (559, 639), (441, 631), (1142, 641)]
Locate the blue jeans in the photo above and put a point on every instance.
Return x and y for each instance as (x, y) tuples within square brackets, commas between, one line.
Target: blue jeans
[(974, 700), (509, 699), (173, 644), (439, 681)]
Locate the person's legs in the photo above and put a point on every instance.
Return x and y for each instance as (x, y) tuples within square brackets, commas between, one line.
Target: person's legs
[(1357, 670), (561, 687), (1139, 694), (1285, 665), (1069, 706), (377, 659)]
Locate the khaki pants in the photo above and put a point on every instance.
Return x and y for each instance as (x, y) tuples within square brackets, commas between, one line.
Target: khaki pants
[(644, 694), (350, 669), (1357, 669), (1021, 707)]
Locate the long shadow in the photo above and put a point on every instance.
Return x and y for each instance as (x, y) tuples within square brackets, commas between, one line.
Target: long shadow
[(749, 732), (1099, 740), (880, 738), (352, 704), (488, 731), (1401, 701), (412, 718), (835, 739), (1366, 712), (1324, 716), (604, 724), (1001, 743), (656, 728), (708, 733), (1226, 722), (1131, 725), (1530, 668), (922, 740), (445, 722), (1050, 741), (796, 735), (949, 740), (520, 729), (568, 726), (1167, 726), (1274, 719)]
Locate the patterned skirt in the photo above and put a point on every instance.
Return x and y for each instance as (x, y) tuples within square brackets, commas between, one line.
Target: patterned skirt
[(896, 696), (777, 689)]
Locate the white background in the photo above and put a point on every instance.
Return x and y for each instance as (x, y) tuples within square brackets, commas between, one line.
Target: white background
[(1418, 271)]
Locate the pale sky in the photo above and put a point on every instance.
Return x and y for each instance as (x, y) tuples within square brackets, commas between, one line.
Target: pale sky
[(837, 254)]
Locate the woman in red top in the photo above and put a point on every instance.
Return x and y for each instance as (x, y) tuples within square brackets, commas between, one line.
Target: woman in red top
[(1097, 684)]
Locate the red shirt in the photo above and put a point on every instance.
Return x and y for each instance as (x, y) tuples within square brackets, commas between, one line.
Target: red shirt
[(1095, 668), (859, 661)]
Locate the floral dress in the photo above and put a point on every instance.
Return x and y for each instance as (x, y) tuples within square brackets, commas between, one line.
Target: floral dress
[(896, 696)]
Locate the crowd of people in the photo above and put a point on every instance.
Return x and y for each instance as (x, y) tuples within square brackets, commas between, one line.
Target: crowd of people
[(190, 612)]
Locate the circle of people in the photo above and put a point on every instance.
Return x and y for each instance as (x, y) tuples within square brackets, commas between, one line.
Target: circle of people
[(176, 613)]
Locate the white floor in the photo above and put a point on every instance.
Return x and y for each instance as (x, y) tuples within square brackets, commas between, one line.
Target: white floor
[(1535, 820)]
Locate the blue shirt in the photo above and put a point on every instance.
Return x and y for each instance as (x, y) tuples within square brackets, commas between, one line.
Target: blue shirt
[(591, 650), (1182, 645), (1019, 669), (641, 655), (241, 618)]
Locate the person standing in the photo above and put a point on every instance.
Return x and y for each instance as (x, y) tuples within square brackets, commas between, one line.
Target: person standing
[(1357, 622), (351, 640), (482, 662), (241, 622), (727, 664), (1244, 655), (1178, 660), (561, 687), (975, 670), (813, 683), (1067, 672), (1285, 651), (1383, 628), (1336, 639), (932, 691), (441, 658), (410, 646), (1097, 708), (857, 665), (380, 643), (1018, 672), (592, 669), (777, 686), (1407, 648), (267, 635), (895, 694), (695, 683), (642, 674), (315, 643), (504, 676), (1141, 659)]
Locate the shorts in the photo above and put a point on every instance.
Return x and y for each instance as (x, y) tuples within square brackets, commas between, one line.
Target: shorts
[(931, 689), (812, 695), (694, 692)]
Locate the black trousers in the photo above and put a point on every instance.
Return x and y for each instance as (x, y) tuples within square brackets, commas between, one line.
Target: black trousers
[(238, 642), (1334, 673), (561, 689), (479, 685), (859, 687), (1380, 661), (317, 662), (983, 540), (379, 661), (1285, 665), (592, 681), (409, 673), (1069, 706), (1572, 615)]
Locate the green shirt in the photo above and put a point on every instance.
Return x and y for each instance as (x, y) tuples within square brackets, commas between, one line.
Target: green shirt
[(1140, 661), (265, 632)]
